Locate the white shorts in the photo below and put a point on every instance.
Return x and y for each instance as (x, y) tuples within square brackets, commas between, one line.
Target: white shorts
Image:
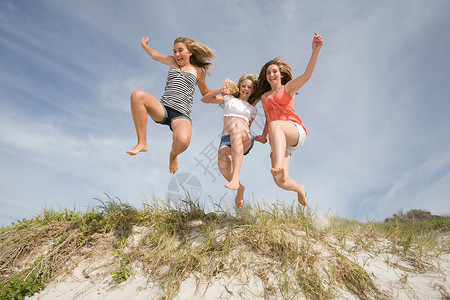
[(301, 139)]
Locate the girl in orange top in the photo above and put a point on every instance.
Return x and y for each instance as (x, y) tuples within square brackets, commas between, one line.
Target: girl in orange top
[(286, 130)]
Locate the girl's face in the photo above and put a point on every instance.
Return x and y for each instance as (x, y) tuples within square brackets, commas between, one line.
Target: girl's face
[(245, 89), (181, 54), (273, 75)]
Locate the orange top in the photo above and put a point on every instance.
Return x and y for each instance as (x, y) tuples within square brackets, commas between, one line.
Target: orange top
[(281, 107)]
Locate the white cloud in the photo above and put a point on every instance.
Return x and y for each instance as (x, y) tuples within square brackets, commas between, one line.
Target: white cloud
[(426, 186)]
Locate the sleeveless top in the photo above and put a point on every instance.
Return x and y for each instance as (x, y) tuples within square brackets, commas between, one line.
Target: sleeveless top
[(179, 91), (281, 107), (234, 107)]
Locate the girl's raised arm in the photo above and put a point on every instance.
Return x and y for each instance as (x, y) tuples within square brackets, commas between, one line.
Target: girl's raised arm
[(295, 84), (155, 55)]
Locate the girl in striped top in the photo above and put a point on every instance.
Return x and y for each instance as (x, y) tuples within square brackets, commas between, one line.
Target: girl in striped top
[(187, 68)]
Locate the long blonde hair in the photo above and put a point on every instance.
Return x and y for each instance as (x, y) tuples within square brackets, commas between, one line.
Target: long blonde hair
[(263, 84), (202, 56), (234, 88)]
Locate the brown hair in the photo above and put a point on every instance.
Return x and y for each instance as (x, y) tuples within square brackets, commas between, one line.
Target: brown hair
[(263, 84), (202, 56)]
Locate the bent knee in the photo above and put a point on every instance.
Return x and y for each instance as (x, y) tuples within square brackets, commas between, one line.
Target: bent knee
[(274, 126), (182, 142), (137, 95)]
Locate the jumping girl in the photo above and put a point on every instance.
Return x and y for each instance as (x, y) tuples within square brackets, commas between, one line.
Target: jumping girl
[(286, 130), (188, 65), (238, 114)]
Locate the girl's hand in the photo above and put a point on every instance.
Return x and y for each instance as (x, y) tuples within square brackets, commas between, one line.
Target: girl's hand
[(225, 90), (260, 138), (317, 42), (144, 42)]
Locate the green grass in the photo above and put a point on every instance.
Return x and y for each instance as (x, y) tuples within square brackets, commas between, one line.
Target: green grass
[(27, 282), (277, 243)]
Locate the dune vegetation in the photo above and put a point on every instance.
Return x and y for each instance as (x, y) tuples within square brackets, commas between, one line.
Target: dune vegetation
[(274, 251)]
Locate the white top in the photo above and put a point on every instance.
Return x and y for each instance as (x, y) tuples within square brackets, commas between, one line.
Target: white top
[(234, 107)]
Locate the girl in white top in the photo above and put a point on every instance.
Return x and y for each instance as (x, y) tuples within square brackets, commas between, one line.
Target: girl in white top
[(238, 115)]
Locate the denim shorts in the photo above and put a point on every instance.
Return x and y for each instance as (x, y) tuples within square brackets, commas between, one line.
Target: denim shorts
[(225, 140), (171, 114), (301, 139)]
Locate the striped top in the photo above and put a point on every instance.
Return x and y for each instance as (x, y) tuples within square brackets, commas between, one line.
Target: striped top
[(179, 91)]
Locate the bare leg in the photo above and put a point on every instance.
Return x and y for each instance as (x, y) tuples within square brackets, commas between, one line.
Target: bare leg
[(240, 139), (142, 105), (182, 130), (225, 162), (281, 133), (289, 184), (240, 196)]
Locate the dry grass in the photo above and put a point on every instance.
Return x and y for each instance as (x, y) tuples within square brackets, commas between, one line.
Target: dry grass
[(279, 245)]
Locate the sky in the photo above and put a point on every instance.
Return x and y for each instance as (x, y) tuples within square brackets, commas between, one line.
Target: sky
[(376, 108)]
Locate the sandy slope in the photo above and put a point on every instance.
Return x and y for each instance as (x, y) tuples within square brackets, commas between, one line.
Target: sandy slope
[(394, 277)]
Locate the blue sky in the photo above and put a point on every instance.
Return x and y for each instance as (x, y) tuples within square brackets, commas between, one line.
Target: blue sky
[(376, 107)]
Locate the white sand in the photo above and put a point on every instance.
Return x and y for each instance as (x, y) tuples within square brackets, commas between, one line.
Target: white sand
[(391, 280), (392, 275)]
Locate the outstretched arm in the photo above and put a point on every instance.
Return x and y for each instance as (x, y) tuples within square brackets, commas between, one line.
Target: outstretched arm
[(155, 55), (295, 84), (216, 96)]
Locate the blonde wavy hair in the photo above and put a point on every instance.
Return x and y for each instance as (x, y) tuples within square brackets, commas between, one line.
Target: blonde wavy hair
[(202, 56), (263, 84), (234, 88)]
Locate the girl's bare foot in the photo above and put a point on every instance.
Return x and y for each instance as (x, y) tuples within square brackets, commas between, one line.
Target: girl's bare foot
[(301, 195), (233, 184), (138, 148), (173, 164), (240, 197), (279, 174)]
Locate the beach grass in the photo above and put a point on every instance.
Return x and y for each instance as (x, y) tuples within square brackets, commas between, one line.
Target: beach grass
[(289, 250)]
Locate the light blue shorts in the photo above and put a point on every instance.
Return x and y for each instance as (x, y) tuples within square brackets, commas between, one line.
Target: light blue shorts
[(226, 141)]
